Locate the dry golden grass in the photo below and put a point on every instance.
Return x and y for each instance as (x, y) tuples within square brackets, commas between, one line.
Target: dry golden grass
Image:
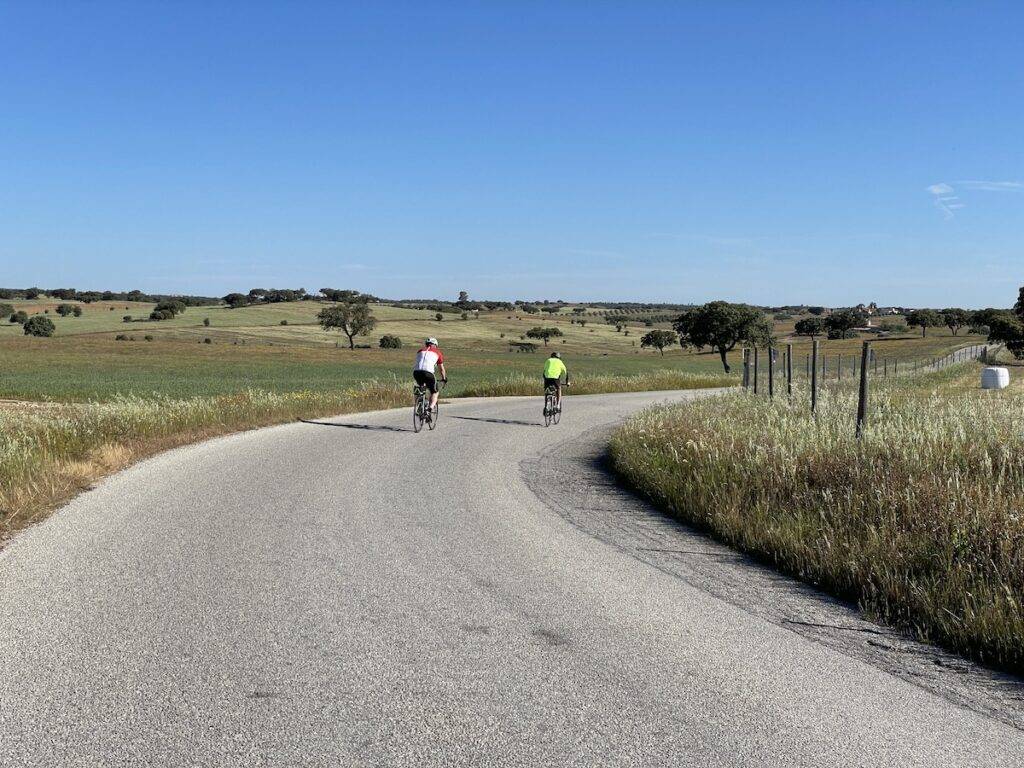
[(919, 521)]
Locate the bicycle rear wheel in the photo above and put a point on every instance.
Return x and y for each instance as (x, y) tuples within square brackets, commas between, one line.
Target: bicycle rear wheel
[(417, 415), (549, 408), (557, 408)]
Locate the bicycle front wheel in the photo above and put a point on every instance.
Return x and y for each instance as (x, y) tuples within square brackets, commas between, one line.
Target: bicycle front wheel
[(432, 423)]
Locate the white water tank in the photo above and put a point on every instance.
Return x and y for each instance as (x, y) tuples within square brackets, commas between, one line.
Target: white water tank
[(994, 378)]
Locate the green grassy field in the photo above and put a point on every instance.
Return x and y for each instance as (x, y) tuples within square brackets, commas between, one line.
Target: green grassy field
[(250, 348)]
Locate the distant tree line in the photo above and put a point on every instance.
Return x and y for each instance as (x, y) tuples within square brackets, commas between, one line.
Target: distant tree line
[(88, 297)]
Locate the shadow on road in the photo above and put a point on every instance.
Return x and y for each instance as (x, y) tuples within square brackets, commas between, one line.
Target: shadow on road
[(512, 422), (355, 426)]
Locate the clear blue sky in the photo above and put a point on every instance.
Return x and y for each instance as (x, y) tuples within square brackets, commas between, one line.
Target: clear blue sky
[(765, 152)]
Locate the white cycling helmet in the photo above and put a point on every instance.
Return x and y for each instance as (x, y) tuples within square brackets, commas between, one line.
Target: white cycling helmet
[(431, 341)]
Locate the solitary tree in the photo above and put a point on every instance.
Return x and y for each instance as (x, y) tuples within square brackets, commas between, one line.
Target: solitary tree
[(39, 326), (659, 339), (463, 297), (352, 318), (924, 319), (721, 326), (955, 319), (809, 326), (544, 333), (236, 300), (840, 325)]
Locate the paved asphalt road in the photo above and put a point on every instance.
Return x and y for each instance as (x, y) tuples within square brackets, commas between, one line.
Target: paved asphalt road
[(355, 594)]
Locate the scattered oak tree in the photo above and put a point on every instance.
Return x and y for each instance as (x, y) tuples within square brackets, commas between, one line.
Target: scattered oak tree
[(955, 319), (543, 333), (809, 326), (39, 326), (924, 319), (841, 325), (659, 339), (721, 326), (352, 318), (236, 300)]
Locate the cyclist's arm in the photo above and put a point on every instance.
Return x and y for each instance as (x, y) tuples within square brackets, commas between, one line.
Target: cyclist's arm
[(444, 373)]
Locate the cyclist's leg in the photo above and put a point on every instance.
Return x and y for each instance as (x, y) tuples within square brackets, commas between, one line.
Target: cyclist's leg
[(558, 393), (431, 382), (420, 378)]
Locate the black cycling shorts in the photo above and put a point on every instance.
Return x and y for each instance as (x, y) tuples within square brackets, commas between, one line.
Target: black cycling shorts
[(425, 379), (551, 383)]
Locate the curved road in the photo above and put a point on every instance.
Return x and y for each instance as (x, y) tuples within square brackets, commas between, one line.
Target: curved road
[(353, 594)]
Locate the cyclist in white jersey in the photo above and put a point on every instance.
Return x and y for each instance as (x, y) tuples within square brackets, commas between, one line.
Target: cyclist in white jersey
[(429, 357)]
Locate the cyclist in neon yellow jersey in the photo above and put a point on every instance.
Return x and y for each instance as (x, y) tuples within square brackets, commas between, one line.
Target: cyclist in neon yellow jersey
[(554, 369)]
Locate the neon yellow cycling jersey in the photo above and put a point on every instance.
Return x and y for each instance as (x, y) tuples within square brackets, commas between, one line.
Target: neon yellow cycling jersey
[(553, 368)]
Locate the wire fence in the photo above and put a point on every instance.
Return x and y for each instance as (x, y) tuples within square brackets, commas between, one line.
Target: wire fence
[(819, 368)]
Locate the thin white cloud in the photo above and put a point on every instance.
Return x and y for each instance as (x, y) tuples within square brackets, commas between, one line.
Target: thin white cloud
[(944, 196), (991, 186)]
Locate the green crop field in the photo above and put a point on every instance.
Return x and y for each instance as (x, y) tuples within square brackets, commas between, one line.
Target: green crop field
[(281, 348), (251, 348)]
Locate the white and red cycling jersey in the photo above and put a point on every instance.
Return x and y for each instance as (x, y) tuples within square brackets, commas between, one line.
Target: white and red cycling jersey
[(428, 358)]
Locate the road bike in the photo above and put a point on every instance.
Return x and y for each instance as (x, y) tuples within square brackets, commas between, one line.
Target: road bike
[(552, 410), (422, 413)]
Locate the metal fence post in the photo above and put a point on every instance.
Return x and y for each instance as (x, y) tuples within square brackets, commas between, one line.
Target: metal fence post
[(862, 399), (789, 370), (814, 376), (757, 358)]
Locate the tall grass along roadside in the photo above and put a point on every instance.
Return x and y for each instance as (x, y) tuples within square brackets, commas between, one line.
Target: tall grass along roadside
[(919, 521), (49, 452)]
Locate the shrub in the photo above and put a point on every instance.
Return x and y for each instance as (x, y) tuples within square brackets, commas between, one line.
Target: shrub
[(126, 319), (39, 326), (388, 341), (121, 337), (284, 322), (147, 337), (207, 340), (439, 317), (6, 310), (76, 310), (206, 322), (464, 316), (65, 309), (20, 317)]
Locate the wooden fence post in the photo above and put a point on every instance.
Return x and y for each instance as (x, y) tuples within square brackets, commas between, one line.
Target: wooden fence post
[(789, 370), (839, 368), (771, 372), (746, 369), (862, 399), (814, 376), (757, 358)]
